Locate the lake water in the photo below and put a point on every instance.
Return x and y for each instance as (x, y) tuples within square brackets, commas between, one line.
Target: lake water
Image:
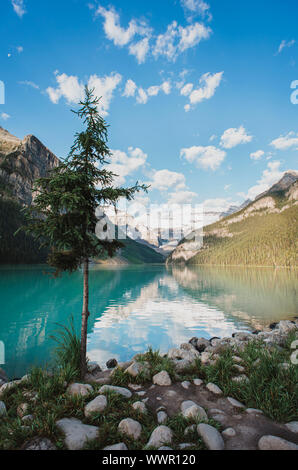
[(137, 306)]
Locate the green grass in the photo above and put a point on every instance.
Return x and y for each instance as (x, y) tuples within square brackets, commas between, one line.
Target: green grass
[(68, 350)]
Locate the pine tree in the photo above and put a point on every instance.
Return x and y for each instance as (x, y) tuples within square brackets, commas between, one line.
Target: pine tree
[(63, 214)]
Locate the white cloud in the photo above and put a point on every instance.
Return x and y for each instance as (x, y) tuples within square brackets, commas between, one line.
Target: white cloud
[(72, 89), (182, 197), (177, 39), (142, 95), (235, 136), (20, 49), (227, 187), (269, 177), (162, 180), (208, 157), (130, 88), (112, 28), (104, 87), (140, 50), (187, 89), (5, 116), (285, 44), (196, 7), (19, 7), (257, 155), (218, 204), (286, 142), (124, 164), (209, 83), (29, 83)]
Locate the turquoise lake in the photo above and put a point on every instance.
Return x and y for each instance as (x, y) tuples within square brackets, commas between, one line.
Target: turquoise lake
[(136, 306)]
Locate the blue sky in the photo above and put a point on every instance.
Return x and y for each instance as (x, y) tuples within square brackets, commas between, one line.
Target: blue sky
[(196, 93)]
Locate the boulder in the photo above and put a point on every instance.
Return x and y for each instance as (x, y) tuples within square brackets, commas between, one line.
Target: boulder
[(76, 433), (162, 417), (111, 364), (211, 437), (22, 410), (162, 378), (285, 326), (140, 407), (186, 384), (120, 446), (275, 443), (3, 411), (202, 344), (136, 368), (229, 432), (235, 403), (160, 436), (77, 389), (39, 443), (93, 368), (191, 410), (131, 428), (214, 389), (120, 390), (293, 426), (198, 382), (98, 405)]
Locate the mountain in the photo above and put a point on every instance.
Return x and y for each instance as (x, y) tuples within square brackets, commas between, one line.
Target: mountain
[(22, 162), (264, 233), (232, 209)]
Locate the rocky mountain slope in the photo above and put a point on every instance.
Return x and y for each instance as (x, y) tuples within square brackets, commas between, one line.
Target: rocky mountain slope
[(22, 162), (262, 234)]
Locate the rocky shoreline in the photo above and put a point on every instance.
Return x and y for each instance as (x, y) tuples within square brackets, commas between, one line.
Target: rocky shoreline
[(155, 398)]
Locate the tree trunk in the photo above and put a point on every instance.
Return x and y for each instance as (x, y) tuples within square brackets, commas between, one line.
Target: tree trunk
[(85, 315)]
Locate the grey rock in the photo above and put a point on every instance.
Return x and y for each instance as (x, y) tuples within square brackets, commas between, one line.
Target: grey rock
[(160, 436), (237, 359), (131, 428), (253, 411), (198, 382), (135, 387), (93, 367), (8, 386), (229, 432), (140, 407), (98, 405), (240, 378), (165, 448), (162, 378), (120, 390), (293, 426), (27, 418), (190, 409), (76, 433), (186, 384), (202, 344), (275, 443), (22, 410), (120, 446), (235, 403), (39, 443), (136, 368), (3, 411), (185, 445), (211, 437), (161, 417), (214, 389), (77, 389), (111, 364), (285, 326)]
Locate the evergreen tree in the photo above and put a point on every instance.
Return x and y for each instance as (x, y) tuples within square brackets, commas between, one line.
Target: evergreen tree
[(63, 214)]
